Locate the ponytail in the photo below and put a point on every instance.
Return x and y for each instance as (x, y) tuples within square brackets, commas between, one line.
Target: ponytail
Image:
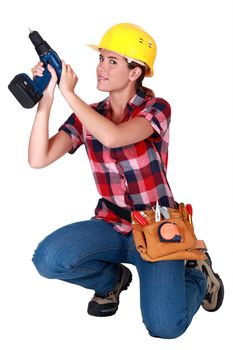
[(146, 90)]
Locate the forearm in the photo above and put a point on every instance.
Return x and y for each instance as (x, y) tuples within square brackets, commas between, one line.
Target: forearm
[(103, 129), (39, 138)]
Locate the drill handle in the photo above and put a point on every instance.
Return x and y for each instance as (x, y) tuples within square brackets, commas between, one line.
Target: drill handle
[(42, 82), (53, 59)]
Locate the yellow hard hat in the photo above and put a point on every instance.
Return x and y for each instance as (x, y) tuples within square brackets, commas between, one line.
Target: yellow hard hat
[(132, 42)]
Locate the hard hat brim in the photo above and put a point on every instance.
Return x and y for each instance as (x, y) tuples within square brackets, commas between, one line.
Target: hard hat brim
[(149, 72), (94, 47)]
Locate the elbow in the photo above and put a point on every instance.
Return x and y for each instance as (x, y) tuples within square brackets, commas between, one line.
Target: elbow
[(36, 164), (111, 141), (114, 143), (109, 144)]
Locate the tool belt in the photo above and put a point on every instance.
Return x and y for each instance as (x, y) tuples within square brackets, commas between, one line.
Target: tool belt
[(166, 234), (163, 233)]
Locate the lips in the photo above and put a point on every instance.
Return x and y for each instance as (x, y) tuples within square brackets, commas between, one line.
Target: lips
[(101, 78)]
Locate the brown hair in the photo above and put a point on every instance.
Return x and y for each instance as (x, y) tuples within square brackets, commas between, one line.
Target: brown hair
[(139, 86)]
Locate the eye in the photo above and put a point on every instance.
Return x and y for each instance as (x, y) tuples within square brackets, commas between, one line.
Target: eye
[(112, 61), (101, 58)]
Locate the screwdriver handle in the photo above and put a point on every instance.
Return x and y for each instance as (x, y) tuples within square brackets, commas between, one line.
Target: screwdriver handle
[(139, 218), (189, 210)]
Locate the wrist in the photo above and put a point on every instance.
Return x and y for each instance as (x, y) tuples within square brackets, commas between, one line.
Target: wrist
[(45, 103), (67, 94)]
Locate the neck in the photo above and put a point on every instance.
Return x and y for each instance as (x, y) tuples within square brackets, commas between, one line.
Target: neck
[(118, 101)]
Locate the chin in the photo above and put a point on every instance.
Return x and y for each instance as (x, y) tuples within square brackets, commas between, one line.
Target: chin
[(102, 88)]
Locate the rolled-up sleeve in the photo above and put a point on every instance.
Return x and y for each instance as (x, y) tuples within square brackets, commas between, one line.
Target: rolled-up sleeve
[(158, 113), (74, 129)]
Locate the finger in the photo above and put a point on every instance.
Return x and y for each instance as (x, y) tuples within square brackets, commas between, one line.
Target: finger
[(37, 72), (50, 68), (63, 65), (38, 69), (70, 70), (53, 72), (63, 72)]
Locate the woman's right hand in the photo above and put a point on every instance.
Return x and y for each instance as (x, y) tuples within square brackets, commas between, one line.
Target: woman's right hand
[(38, 70)]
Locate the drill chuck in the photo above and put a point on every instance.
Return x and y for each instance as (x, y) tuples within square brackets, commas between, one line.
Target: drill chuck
[(41, 46)]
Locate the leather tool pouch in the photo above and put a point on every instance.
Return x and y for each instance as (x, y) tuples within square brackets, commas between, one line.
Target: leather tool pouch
[(167, 239)]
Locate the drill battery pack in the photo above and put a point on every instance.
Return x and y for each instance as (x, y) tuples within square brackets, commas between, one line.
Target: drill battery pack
[(24, 91)]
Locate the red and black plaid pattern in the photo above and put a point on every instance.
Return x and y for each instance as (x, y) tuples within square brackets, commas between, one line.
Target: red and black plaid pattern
[(134, 176)]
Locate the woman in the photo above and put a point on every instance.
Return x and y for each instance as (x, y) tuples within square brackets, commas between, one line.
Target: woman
[(126, 138)]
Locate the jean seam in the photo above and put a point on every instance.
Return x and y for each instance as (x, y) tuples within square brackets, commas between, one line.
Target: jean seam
[(83, 258)]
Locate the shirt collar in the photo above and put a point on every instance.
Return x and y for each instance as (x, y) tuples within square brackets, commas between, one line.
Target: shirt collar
[(136, 100), (132, 104)]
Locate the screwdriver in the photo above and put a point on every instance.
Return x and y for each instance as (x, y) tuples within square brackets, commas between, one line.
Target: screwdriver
[(139, 216), (189, 210)]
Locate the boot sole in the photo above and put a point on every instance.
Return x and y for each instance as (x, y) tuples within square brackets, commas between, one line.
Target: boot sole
[(219, 284)]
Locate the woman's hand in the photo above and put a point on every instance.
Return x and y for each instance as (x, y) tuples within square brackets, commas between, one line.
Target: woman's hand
[(38, 70), (68, 79)]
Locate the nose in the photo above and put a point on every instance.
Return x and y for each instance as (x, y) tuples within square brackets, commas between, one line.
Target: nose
[(102, 66)]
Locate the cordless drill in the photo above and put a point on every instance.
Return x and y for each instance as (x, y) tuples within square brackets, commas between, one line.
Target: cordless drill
[(27, 91)]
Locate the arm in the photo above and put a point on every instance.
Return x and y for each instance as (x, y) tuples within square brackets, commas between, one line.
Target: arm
[(43, 151), (107, 132)]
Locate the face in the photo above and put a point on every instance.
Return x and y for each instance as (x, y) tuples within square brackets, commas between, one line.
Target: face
[(112, 71)]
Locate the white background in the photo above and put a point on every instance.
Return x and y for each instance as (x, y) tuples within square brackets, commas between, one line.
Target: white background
[(193, 71)]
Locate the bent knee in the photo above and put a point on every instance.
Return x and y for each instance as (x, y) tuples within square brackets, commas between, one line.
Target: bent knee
[(166, 328), (54, 260), (50, 258), (44, 261)]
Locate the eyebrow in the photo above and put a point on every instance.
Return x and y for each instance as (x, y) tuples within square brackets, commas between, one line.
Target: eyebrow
[(111, 57)]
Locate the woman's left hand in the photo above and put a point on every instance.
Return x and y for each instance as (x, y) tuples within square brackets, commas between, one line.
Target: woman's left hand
[(68, 79)]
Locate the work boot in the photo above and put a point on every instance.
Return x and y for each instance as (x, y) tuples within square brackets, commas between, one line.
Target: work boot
[(107, 306), (215, 289)]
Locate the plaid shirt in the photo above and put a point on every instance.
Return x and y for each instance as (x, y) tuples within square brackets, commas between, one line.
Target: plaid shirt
[(134, 176)]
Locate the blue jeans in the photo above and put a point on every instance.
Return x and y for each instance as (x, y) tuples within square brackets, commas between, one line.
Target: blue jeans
[(87, 254)]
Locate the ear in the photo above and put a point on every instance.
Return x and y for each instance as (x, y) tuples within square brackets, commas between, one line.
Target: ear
[(135, 73)]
